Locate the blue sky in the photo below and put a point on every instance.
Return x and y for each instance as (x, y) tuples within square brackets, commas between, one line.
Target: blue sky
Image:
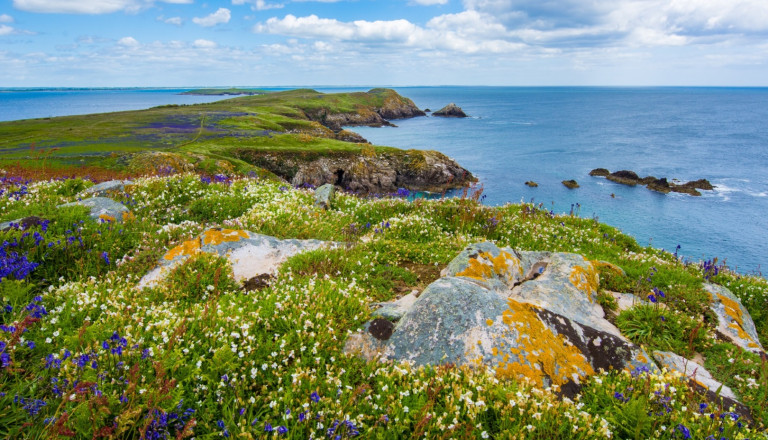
[(81, 43)]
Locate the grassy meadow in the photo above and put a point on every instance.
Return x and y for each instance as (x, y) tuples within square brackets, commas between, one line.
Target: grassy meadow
[(85, 354)]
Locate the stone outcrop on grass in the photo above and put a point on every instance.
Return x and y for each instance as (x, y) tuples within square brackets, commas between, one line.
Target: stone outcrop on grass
[(733, 320), (324, 196), (105, 188), (521, 314), (250, 254), (102, 209)]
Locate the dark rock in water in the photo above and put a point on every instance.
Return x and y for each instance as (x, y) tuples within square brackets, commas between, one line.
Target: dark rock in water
[(685, 190), (660, 185), (599, 172), (625, 177), (647, 180), (426, 110), (532, 184), (450, 111), (570, 184), (700, 184)]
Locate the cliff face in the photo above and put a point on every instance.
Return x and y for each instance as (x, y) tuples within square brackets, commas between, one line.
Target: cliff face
[(367, 173), (375, 108)]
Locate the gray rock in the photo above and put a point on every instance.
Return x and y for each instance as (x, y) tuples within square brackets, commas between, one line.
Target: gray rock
[(102, 208), (250, 254), (23, 223), (105, 188), (450, 111), (324, 196), (733, 320), (693, 371), (395, 310), (484, 313)]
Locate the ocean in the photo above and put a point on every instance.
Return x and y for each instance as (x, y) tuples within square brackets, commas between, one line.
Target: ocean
[(550, 134)]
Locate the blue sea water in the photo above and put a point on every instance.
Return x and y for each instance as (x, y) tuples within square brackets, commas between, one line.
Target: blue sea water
[(550, 134)]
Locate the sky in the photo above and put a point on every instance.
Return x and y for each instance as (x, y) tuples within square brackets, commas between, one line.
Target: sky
[(191, 43)]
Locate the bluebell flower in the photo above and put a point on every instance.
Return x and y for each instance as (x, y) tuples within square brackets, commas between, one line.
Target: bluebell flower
[(105, 256), (282, 430), (268, 427), (651, 298), (684, 431), (314, 397)]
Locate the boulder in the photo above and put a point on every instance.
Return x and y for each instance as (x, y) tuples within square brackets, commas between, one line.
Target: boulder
[(250, 254), (733, 320), (599, 172), (450, 111), (23, 223), (570, 184), (700, 184), (102, 209), (532, 184), (686, 190), (395, 310), (520, 314), (695, 372), (105, 188), (625, 177), (324, 196)]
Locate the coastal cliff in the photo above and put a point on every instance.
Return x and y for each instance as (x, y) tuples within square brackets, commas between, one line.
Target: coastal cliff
[(298, 135)]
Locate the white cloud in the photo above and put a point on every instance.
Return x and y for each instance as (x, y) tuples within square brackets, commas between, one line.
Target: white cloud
[(222, 15), (179, 2), (174, 20), (5, 18), (314, 27), (128, 42), (76, 6), (204, 44), (5, 30), (259, 5), (430, 2)]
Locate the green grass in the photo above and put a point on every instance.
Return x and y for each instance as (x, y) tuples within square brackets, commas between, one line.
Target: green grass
[(199, 341)]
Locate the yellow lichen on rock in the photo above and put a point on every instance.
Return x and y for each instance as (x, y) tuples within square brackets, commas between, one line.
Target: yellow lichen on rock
[(540, 352), (128, 216), (189, 247), (610, 266), (585, 279), (485, 266), (215, 237)]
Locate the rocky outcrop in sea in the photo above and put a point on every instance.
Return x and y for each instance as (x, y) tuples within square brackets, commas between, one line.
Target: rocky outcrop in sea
[(662, 185)]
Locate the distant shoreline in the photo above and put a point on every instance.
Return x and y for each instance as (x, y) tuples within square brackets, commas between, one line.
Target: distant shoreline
[(224, 92)]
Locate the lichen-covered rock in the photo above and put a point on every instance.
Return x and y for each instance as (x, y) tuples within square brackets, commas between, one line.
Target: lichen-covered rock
[(599, 172), (250, 254), (324, 196), (625, 177), (103, 209), (733, 320), (486, 264), (105, 188), (482, 314), (689, 368), (395, 310)]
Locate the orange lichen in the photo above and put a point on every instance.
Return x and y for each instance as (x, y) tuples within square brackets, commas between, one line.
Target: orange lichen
[(540, 352), (585, 279), (486, 266), (732, 309), (128, 216), (107, 218), (189, 247), (215, 237), (489, 321)]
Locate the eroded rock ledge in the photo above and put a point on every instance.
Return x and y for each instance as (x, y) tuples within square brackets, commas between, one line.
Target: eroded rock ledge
[(662, 185), (367, 173)]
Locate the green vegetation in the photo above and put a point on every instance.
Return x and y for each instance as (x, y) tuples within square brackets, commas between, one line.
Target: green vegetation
[(84, 353), (230, 91), (196, 136)]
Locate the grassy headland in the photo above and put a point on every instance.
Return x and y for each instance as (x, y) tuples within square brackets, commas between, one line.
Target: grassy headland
[(85, 354), (230, 91)]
